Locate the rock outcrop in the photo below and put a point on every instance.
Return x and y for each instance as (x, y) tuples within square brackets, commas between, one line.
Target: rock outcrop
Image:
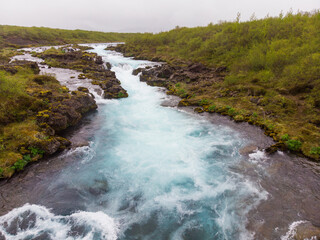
[(68, 112), (92, 67), (166, 75)]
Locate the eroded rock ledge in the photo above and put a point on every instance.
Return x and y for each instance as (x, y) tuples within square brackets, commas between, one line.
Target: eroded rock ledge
[(32, 125), (92, 67)]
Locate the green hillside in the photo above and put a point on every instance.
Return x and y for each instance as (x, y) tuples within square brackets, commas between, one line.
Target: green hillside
[(272, 71), (14, 36)]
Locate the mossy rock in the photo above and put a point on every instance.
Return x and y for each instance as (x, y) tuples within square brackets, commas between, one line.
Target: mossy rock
[(275, 147), (83, 89), (95, 82), (239, 118), (199, 110), (183, 103), (65, 89), (82, 76), (45, 93), (42, 79)]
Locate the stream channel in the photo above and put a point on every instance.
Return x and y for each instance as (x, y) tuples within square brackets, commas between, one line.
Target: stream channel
[(142, 168)]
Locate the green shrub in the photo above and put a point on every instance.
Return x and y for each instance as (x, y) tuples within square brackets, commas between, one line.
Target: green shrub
[(35, 151), (19, 165), (285, 137), (27, 157), (294, 145), (212, 108), (182, 93), (232, 112), (315, 151), (203, 102)]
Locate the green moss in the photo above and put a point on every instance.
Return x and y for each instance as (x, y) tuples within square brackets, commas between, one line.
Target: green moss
[(122, 95), (36, 151), (239, 118), (82, 76)]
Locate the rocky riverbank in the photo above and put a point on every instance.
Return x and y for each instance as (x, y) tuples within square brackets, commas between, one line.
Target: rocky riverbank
[(35, 115), (192, 83), (204, 88)]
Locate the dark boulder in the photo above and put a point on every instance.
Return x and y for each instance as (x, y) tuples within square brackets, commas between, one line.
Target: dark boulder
[(221, 69), (197, 68), (135, 72), (67, 112), (98, 60), (83, 89), (108, 65), (301, 88), (165, 71)]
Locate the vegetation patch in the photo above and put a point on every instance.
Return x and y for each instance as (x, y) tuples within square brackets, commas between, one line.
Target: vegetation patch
[(26, 97), (265, 72)]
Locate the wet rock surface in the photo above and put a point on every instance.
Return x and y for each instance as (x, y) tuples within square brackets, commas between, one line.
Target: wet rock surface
[(307, 230)]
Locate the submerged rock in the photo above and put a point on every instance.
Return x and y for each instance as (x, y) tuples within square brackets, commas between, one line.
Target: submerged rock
[(108, 65), (304, 230), (100, 187), (248, 149), (135, 72)]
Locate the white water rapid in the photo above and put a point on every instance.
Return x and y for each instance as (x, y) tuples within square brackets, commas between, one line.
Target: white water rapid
[(150, 172)]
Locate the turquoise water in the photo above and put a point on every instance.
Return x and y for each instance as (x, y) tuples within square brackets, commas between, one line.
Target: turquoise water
[(150, 172)]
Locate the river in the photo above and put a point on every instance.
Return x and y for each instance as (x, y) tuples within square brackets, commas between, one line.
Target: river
[(158, 172)]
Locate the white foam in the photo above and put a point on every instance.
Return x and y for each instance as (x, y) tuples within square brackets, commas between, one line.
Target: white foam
[(292, 230), (84, 153), (258, 156), (56, 226)]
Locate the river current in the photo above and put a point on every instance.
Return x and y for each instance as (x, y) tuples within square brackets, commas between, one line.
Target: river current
[(149, 172)]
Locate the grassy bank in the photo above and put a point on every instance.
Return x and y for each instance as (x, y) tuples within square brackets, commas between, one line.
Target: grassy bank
[(271, 72), (14, 36), (34, 109)]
